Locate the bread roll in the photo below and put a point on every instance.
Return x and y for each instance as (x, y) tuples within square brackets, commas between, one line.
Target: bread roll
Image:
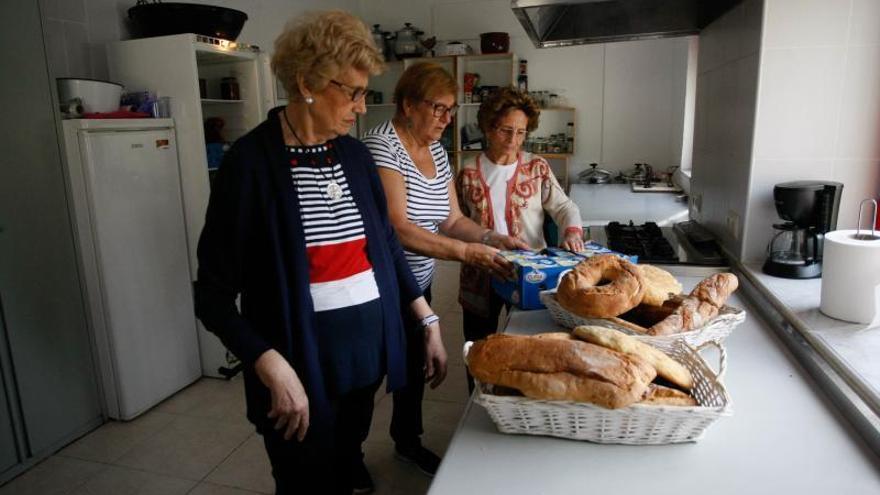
[(557, 369), (666, 367), (660, 285), (658, 395)]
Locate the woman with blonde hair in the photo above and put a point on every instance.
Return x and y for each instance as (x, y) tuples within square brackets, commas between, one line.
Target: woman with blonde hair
[(297, 227), (422, 204)]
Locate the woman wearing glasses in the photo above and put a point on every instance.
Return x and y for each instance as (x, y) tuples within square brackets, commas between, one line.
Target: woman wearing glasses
[(508, 191), (422, 204), (297, 226)]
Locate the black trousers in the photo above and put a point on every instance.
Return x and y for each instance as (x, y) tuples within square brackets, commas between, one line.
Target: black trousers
[(323, 461), (478, 327), (406, 415)]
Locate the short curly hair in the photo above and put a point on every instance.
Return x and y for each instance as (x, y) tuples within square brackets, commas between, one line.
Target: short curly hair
[(503, 100), (422, 81), (320, 45)]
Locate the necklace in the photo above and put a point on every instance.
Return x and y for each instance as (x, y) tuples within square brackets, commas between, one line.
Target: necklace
[(333, 189)]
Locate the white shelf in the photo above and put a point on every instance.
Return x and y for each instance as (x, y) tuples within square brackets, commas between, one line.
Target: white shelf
[(217, 100), (380, 105)]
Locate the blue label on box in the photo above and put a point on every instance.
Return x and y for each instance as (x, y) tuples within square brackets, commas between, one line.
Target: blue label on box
[(540, 271)]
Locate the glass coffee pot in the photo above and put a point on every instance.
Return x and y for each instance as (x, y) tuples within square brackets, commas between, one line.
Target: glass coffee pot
[(792, 252)]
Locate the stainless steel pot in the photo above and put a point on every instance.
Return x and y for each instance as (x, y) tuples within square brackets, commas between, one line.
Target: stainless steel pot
[(406, 42), (594, 175), (633, 176)]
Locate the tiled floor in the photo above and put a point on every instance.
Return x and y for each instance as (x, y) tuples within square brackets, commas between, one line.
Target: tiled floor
[(198, 441)]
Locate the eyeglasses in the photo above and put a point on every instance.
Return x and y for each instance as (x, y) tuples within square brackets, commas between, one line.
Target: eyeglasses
[(511, 132), (352, 92), (440, 109)]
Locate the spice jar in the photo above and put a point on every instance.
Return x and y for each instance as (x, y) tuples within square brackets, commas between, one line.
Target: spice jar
[(229, 89)]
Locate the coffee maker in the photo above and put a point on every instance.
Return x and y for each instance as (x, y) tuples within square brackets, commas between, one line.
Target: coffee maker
[(809, 209)]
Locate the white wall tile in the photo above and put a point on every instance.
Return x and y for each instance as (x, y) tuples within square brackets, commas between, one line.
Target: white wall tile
[(750, 29), (861, 180), (50, 9), (76, 40), (859, 130), (72, 10), (744, 75), (800, 23), (798, 103), (864, 28), (467, 19), (56, 51), (391, 14), (103, 20), (639, 94)]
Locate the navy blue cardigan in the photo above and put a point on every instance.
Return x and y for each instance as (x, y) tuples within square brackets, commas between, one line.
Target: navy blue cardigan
[(253, 244)]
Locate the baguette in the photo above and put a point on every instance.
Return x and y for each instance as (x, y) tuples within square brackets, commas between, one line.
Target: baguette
[(666, 367), (703, 304), (557, 369)]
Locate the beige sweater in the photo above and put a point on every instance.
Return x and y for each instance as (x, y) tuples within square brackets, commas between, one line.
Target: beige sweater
[(532, 192)]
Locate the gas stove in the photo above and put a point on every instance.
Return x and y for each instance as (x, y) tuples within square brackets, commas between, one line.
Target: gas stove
[(655, 244), (645, 241)]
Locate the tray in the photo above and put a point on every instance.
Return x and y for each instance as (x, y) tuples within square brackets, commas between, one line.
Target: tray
[(716, 330), (637, 424)]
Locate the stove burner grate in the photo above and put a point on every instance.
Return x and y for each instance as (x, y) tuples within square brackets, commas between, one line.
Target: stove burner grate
[(646, 241)]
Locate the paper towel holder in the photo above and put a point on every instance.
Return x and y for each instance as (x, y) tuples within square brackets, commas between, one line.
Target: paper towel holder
[(873, 235)]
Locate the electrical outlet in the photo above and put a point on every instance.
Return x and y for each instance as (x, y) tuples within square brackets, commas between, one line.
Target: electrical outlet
[(733, 224)]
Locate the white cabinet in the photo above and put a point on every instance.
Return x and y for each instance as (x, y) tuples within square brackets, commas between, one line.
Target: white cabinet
[(172, 66)]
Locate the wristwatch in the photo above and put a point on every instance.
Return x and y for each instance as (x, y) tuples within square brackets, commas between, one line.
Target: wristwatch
[(428, 320)]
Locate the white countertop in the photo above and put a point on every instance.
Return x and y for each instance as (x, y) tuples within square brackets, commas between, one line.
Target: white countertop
[(603, 203), (784, 437), (857, 346)]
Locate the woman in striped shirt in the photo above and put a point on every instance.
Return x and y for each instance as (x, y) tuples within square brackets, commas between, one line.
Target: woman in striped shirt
[(297, 226), (422, 204)]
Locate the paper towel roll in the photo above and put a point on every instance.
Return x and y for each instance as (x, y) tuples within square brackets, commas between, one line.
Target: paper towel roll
[(851, 277)]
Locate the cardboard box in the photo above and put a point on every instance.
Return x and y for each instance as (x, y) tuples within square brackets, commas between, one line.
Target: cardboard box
[(536, 272)]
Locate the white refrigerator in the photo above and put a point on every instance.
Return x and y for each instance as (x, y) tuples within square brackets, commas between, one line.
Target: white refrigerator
[(124, 188)]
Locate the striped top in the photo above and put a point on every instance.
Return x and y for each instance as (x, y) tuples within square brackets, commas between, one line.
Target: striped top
[(340, 274), (427, 200)]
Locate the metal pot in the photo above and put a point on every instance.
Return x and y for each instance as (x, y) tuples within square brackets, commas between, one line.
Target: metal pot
[(594, 175), (633, 176), (406, 42)]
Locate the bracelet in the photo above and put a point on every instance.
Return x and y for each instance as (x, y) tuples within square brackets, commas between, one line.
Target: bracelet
[(485, 238), (428, 320)]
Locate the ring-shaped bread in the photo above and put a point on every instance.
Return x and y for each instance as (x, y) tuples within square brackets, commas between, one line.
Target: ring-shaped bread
[(603, 286)]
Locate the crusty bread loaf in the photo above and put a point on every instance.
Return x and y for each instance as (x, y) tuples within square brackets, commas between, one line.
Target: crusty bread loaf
[(660, 285), (603, 286), (666, 367), (558, 369), (703, 304), (658, 395)]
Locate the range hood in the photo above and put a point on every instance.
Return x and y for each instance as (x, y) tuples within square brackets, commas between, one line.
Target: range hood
[(552, 23)]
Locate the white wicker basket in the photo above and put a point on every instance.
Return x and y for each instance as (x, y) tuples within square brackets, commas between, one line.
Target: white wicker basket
[(715, 331), (637, 424)]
